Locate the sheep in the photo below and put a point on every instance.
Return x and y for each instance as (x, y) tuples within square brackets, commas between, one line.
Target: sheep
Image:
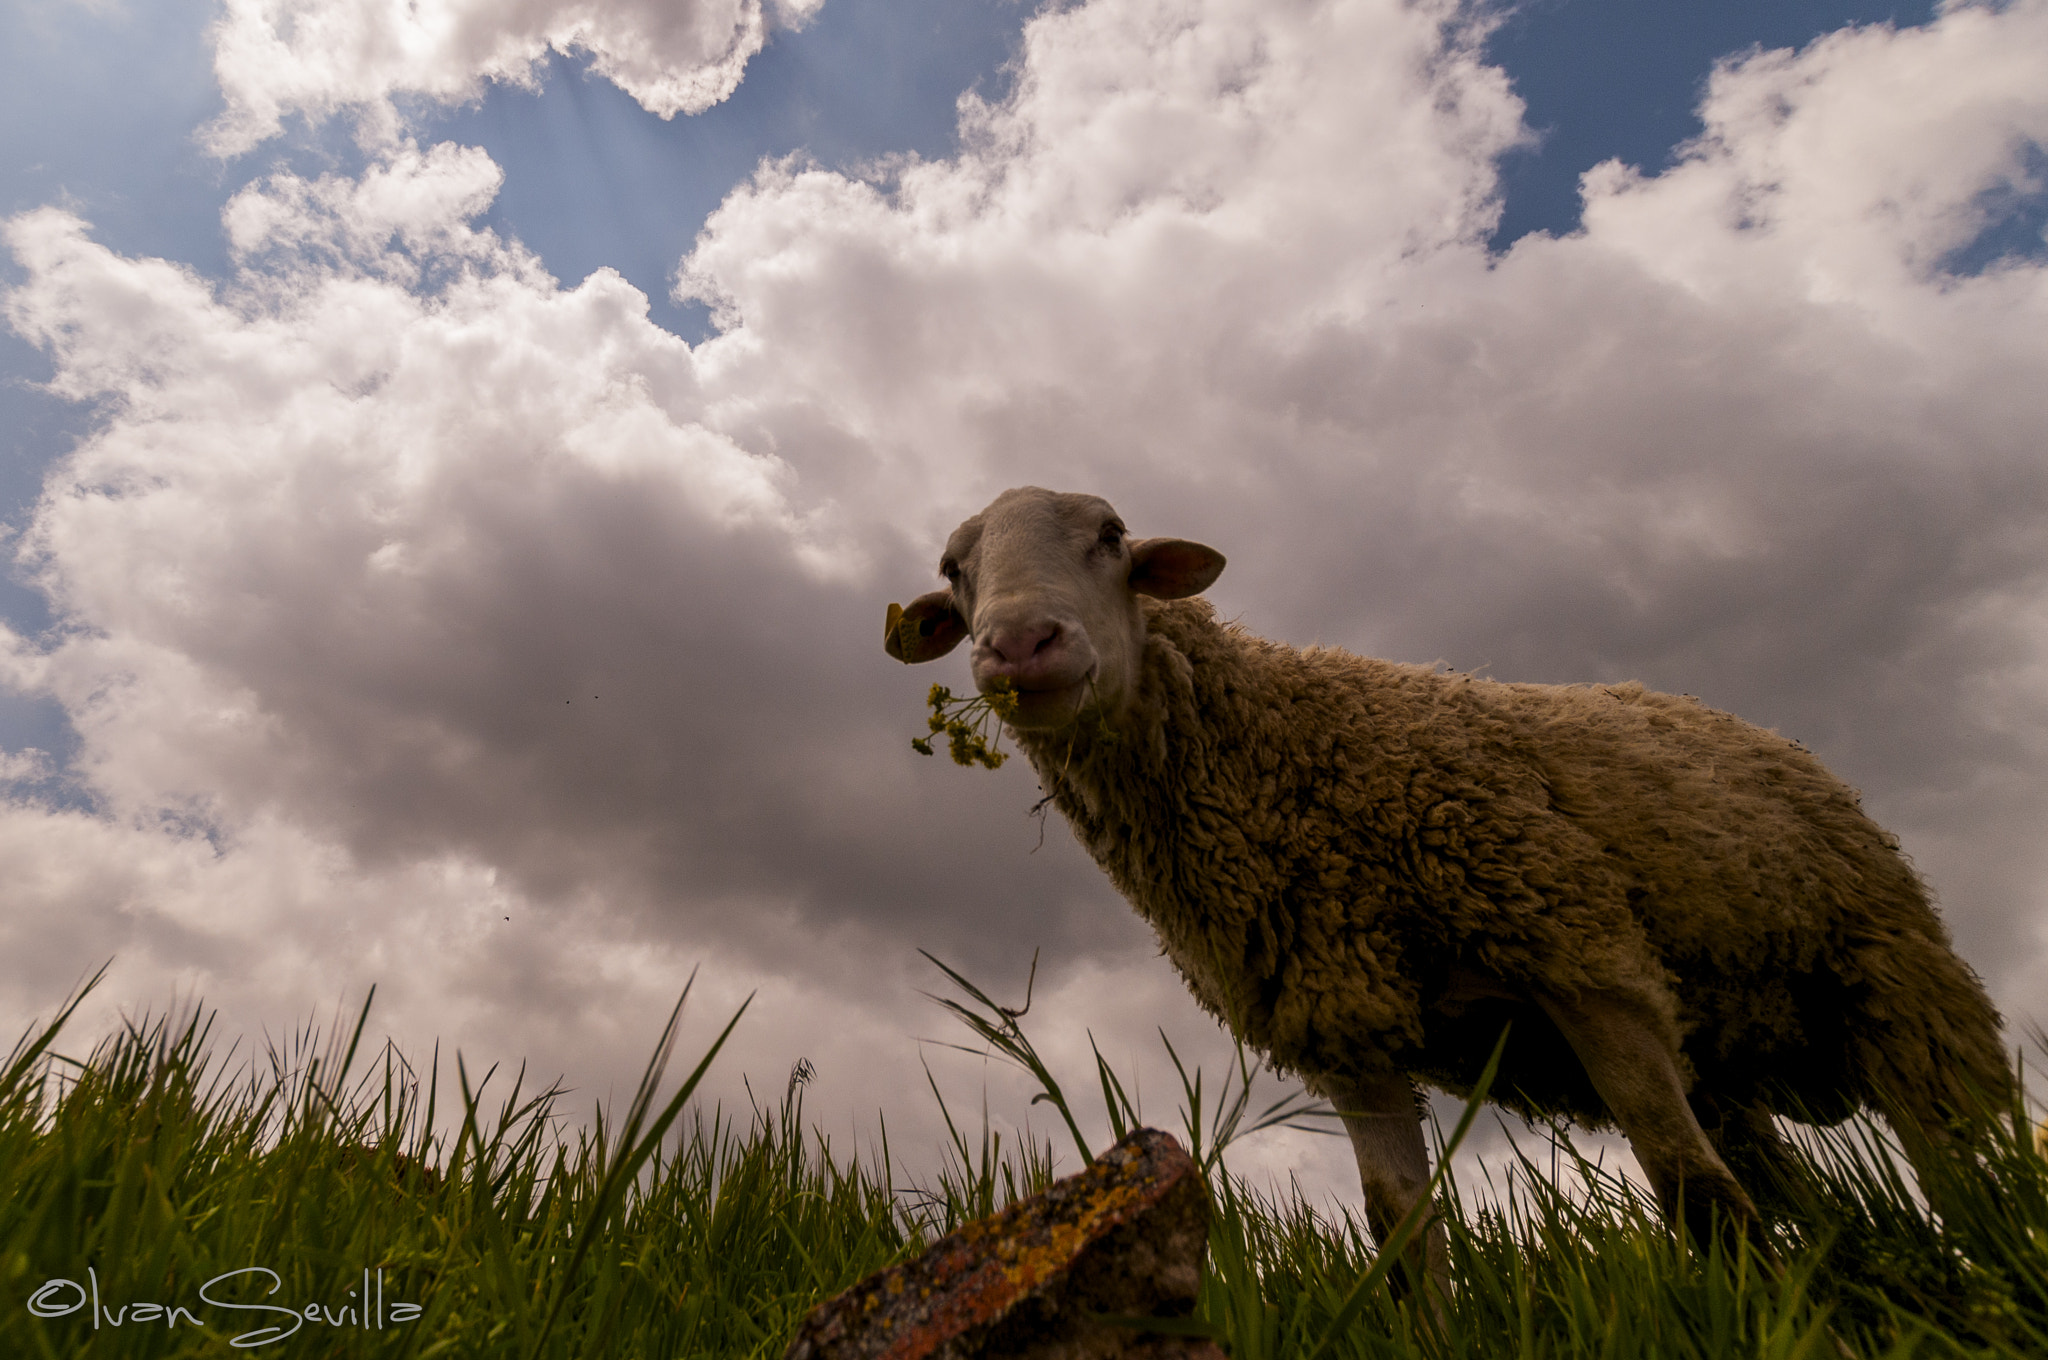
[(1367, 868)]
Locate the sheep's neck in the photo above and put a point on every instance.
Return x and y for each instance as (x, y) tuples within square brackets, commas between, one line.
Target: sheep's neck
[(1123, 787)]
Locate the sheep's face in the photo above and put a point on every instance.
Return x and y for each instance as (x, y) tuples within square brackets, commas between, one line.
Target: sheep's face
[(1047, 584)]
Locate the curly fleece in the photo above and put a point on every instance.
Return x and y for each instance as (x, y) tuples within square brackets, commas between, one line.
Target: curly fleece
[(1359, 864)]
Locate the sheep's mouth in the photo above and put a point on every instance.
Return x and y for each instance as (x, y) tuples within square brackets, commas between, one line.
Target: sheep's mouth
[(1046, 707)]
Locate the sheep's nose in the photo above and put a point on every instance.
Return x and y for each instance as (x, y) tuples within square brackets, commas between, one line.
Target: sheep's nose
[(1019, 644)]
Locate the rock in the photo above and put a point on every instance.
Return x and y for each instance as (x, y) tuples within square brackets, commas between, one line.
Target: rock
[(1126, 1236)]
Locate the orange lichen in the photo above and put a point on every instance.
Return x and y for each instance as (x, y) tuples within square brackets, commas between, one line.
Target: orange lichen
[(977, 1276)]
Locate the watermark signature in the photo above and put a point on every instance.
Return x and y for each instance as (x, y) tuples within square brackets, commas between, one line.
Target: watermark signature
[(368, 1311)]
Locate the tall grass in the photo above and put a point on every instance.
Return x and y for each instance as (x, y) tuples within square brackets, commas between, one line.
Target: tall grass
[(143, 1172), (155, 1166)]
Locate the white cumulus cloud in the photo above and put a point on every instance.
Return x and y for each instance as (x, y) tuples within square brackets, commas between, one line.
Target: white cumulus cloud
[(321, 57)]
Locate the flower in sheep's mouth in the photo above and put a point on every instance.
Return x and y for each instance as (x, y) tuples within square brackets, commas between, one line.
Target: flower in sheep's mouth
[(966, 723)]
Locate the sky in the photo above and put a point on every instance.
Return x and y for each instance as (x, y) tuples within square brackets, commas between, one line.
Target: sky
[(458, 457)]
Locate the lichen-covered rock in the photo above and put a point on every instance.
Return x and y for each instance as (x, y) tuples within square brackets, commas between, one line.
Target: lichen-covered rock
[(1124, 1237)]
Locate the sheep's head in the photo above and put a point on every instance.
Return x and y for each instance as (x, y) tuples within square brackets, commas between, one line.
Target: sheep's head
[(1047, 584)]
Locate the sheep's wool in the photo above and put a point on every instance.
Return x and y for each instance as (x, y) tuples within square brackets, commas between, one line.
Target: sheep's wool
[(1359, 864)]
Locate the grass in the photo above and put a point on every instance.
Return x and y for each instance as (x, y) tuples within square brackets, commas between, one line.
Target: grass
[(153, 1169)]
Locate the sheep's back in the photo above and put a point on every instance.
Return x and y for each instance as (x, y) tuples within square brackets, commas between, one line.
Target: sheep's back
[(1727, 832)]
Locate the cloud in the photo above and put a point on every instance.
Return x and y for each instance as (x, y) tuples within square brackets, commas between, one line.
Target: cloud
[(322, 57), (1847, 172), (402, 585), (336, 551)]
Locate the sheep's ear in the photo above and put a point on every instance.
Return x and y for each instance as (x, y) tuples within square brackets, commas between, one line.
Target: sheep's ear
[(926, 630), (1173, 568)]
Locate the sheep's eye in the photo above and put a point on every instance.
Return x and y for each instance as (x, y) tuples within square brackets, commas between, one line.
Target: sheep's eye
[(950, 569), (1112, 534)]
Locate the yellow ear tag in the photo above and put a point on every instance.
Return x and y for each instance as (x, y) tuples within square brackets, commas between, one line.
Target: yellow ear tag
[(895, 621)]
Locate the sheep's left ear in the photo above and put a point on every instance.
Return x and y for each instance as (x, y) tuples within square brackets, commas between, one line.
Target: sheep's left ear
[(926, 631), (1173, 568)]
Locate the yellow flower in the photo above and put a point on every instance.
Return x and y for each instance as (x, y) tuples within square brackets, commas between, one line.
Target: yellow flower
[(966, 723)]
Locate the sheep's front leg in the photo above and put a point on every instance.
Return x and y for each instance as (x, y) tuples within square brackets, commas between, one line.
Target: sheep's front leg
[(1393, 1165), (1637, 1076)]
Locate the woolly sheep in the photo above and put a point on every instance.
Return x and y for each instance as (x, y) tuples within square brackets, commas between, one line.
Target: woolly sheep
[(1368, 868)]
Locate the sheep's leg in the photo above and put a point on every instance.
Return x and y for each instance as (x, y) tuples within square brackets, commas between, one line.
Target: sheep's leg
[(1393, 1165), (1637, 1076), (1752, 1148)]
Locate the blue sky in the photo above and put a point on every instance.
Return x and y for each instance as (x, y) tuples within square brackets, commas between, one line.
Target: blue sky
[(343, 522)]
